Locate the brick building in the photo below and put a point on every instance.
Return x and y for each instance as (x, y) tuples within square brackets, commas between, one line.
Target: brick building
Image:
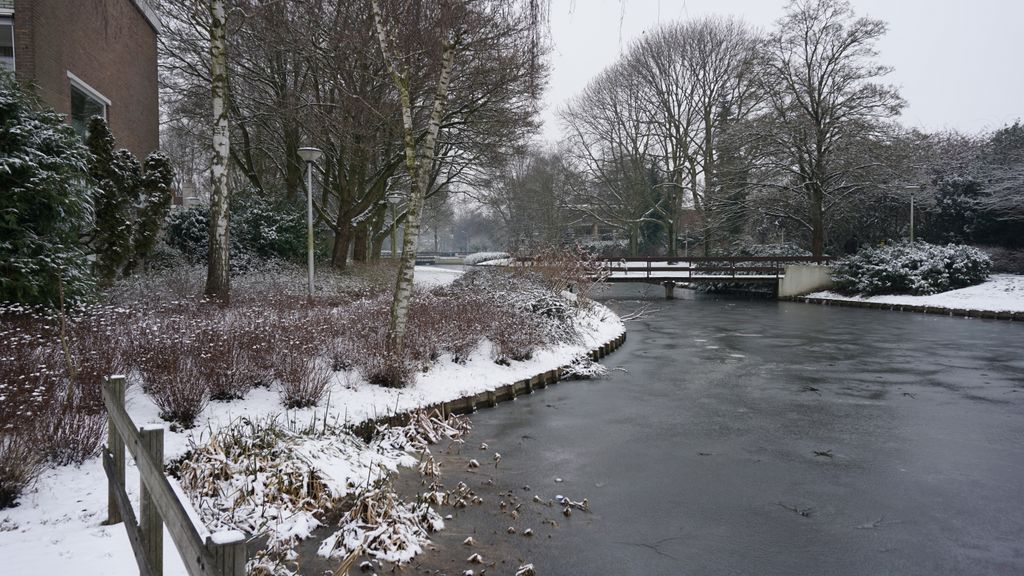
[(88, 58)]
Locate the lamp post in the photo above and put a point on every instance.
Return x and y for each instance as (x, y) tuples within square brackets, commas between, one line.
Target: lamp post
[(393, 200), (309, 156), (911, 188)]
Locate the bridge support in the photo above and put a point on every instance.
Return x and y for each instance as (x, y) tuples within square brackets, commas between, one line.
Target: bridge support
[(670, 288)]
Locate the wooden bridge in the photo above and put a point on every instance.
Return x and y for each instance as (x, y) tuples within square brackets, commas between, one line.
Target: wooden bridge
[(714, 269), (701, 269), (670, 272)]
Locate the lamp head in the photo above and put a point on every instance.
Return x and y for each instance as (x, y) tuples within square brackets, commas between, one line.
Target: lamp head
[(309, 154)]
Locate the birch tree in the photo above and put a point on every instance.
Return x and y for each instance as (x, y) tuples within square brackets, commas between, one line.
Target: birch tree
[(218, 279), (439, 34), (419, 159)]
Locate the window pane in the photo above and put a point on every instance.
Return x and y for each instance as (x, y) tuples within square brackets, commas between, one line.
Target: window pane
[(84, 107), (6, 45)]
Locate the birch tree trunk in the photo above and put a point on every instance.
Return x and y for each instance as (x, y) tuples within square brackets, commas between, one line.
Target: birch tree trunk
[(218, 281), (418, 162)]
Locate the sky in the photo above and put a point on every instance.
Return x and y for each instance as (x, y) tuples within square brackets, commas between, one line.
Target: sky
[(958, 63)]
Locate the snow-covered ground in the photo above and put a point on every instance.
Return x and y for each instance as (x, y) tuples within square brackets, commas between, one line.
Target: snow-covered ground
[(1000, 293), (57, 528)]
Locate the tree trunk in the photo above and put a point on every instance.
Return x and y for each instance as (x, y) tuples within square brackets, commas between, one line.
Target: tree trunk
[(218, 280), (360, 245), (342, 241), (293, 166), (816, 217), (376, 246), (419, 163)]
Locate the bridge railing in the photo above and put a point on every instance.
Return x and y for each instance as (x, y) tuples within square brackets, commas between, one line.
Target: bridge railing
[(692, 268), (704, 267)]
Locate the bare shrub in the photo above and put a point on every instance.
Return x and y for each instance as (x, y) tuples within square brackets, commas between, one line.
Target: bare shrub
[(222, 363), (385, 368), (304, 380), (173, 381), (514, 336), (565, 268), (96, 347), (71, 431), (20, 464)]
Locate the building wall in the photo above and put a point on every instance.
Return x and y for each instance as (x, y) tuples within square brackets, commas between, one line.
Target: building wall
[(108, 44)]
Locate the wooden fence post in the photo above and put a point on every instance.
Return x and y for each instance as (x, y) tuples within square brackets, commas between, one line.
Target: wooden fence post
[(115, 445), (228, 551), (151, 525)]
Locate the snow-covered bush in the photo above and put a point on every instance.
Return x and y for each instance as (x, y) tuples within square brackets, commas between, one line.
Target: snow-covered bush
[(46, 203), (50, 409), (523, 291), (270, 230), (188, 231), (768, 250), (154, 205), (481, 257), (911, 268), (261, 230), (131, 203), (175, 386)]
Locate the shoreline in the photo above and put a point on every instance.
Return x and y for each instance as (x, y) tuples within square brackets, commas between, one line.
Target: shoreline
[(919, 308)]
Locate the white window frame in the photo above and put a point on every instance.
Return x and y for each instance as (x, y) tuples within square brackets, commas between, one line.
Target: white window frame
[(6, 17), (90, 91)]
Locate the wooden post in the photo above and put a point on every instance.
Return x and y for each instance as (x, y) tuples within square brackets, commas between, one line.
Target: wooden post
[(151, 525), (228, 551), (115, 445)]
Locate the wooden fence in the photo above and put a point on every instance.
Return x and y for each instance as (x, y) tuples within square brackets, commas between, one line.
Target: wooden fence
[(203, 554)]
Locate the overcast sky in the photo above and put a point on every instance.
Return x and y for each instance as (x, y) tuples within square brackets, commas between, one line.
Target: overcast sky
[(958, 63)]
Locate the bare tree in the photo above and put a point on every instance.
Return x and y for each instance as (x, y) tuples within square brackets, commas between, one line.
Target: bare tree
[(528, 195), (611, 146), (1002, 171), (825, 106)]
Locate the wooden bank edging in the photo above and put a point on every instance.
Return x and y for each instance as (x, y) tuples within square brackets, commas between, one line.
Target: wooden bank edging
[(487, 398), (961, 312)]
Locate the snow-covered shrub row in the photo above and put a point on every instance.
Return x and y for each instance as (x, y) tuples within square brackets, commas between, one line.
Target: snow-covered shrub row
[(50, 407), (516, 313), (481, 257), (768, 250), (527, 292), (915, 268), (186, 352)]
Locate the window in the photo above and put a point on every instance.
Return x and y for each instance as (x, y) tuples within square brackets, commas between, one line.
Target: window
[(6, 44), (85, 103)]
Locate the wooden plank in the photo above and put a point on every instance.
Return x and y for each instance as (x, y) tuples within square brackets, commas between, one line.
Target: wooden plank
[(228, 552), (127, 513), (194, 555), (115, 444), (151, 525)]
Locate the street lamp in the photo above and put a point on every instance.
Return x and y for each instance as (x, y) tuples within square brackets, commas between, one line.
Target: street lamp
[(394, 198), (911, 188), (309, 156)]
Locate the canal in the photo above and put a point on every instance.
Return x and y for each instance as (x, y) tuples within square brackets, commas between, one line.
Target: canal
[(755, 437)]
